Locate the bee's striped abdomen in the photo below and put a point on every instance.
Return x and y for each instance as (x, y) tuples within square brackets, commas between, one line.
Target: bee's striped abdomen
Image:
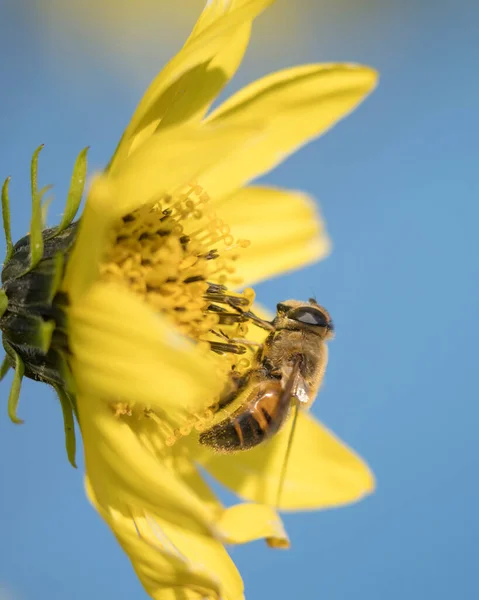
[(259, 418)]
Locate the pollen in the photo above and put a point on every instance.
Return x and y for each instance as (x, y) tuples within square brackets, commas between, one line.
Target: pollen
[(121, 409), (179, 257)]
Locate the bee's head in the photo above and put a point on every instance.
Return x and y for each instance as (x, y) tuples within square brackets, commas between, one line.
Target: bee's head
[(309, 316)]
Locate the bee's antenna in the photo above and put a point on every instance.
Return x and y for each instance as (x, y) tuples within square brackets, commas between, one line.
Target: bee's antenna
[(288, 453)]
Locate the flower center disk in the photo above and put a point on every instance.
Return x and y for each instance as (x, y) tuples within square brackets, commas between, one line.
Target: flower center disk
[(180, 259)]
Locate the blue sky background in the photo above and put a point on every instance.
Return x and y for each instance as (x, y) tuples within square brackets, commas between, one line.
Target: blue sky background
[(397, 184)]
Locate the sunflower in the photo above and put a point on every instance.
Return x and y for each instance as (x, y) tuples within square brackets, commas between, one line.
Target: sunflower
[(132, 313)]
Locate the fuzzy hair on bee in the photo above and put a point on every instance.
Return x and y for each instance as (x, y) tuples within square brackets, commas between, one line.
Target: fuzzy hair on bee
[(289, 366)]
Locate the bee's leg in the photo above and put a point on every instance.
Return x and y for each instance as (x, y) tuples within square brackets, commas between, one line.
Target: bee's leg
[(244, 342), (235, 385), (226, 317), (226, 347), (267, 325), (233, 345), (250, 316), (217, 294)]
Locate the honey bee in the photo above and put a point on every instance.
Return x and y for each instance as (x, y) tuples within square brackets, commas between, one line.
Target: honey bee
[(289, 366)]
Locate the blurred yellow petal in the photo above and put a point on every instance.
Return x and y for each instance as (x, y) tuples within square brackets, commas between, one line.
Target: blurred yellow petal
[(94, 233), (322, 471), (216, 9), (98, 25), (237, 524), (188, 472), (119, 462), (171, 562), (190, 82), (248, 522), (295, 106), (196, 90), (284, 227), (123, 350)]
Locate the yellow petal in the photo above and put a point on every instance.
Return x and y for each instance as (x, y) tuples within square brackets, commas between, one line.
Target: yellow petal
[(185, 88), (248, 522), (235, 525), (193, 93), (216, 9), (164, 164), (322, 471), (188, 472), (123, 351), (295, 106), (284, 227), (122, 465), (171, 159), (93, 236), (172, 562)]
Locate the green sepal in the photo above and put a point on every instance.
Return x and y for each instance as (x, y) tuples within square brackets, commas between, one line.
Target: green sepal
[(58, 261), (44, 190), (51, 367), (68, 409), (44, 204), (15, 390), (35, 322), (28, 329), (6, 220), (36, 237), (75, 193), (67, 377), (3, 302), (5, 367), (45, 207), (39, 286), (33, 309), (45, 333)]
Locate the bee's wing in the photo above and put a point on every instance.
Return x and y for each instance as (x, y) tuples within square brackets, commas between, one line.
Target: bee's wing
[(292, 382)]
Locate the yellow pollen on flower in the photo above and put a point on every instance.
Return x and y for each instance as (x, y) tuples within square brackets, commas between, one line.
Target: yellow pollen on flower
[(180, 259), (170, 253), (121, 409)]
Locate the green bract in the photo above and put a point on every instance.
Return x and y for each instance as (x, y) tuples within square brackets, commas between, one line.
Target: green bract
[(33, 320)]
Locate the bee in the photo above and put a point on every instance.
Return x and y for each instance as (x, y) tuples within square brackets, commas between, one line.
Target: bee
[(289, 366)]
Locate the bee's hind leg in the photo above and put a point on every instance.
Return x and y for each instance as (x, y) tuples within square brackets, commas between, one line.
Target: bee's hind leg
[(234, 386)]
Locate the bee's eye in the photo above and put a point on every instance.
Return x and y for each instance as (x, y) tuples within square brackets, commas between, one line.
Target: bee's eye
[(310, 316), (282, 308)]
